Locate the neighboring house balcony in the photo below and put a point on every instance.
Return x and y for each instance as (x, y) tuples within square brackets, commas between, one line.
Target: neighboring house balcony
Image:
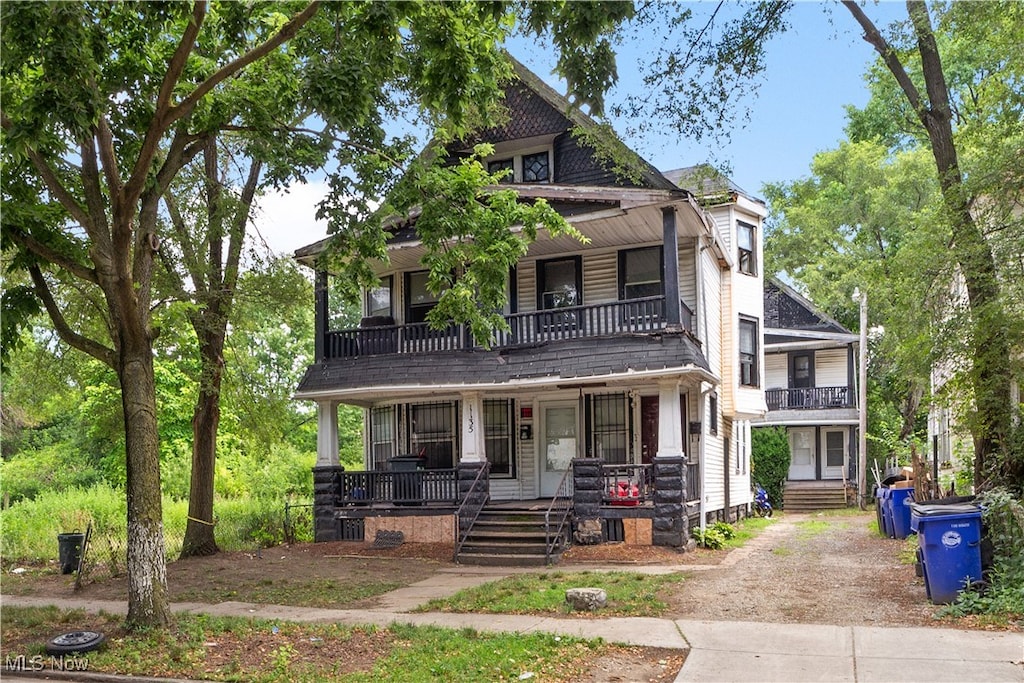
[(377, 336), (810, 398), (811, 405)]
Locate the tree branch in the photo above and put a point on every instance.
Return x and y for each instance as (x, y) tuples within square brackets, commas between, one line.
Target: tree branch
[(185, 242), (320, 134), (162, 119), (64, 331), (53, 256), (237, 236), (888, 55)]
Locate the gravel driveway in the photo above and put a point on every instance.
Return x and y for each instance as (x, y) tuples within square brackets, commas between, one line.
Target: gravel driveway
[(811, 568)]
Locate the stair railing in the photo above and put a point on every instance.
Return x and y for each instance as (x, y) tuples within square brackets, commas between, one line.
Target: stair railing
[(559, 509), (470, 508)]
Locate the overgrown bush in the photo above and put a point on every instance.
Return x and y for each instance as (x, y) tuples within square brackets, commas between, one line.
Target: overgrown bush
[(714, 536), (769, 461), (1003, 517)]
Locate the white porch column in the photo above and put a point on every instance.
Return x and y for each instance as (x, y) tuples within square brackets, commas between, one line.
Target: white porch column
[(326, 433), (670, 420), (473, 444)]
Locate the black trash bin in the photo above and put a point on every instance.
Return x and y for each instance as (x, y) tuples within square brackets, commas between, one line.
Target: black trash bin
[(69, 547), (407, 479)]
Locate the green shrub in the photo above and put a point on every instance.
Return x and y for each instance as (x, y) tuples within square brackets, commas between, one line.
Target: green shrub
[(709, 537), (53, 467), (726, 530), (769, 461)]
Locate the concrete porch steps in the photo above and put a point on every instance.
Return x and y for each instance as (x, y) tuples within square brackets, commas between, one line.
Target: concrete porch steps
[(811, 496), (503, 537)]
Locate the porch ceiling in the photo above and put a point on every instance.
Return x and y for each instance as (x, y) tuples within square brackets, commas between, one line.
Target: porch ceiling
[(582, 362)]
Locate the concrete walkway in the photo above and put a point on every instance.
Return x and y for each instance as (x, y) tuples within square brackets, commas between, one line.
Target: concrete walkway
[(718, 651)]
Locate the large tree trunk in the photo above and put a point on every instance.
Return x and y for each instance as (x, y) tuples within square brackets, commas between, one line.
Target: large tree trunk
[(147, 577), (199, 536)]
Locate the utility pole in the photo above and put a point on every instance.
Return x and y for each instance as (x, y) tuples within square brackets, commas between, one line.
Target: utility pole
[(862, 400)]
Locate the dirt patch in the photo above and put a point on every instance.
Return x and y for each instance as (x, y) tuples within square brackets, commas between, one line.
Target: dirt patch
[(813, 569), (337, 575), (620, 553)]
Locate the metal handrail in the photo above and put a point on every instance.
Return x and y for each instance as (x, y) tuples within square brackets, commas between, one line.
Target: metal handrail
[(563, 495), (464, 532)]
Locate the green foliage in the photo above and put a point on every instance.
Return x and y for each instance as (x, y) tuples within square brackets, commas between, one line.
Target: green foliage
[(769, 461), (709, 537), (629, 594)]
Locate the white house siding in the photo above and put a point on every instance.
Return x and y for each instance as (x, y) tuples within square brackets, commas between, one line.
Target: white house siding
[(688, 277), (600, 278), (831, 368), (739, 464), (776, 371)]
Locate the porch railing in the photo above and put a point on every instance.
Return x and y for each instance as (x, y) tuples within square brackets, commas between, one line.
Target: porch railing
[(627, 485), (471, 507), (556, 518), (419, 487), (809, 398), (575, 322)]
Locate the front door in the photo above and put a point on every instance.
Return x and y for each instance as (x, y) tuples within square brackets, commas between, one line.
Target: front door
[(834, 446), (801, 448), (559, 444)]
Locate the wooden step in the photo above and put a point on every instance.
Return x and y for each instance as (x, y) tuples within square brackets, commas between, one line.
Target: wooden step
[(515, 538)]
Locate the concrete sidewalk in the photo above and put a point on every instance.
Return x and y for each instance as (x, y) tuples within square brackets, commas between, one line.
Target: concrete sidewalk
[(718, 651)]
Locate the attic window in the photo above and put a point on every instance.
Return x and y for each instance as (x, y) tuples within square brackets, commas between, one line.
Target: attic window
[(747, 255), (508, 165), (532, 166), (536, 167)]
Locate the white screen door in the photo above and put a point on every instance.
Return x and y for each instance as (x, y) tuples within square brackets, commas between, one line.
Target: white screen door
[(801, 443), (560, 443)]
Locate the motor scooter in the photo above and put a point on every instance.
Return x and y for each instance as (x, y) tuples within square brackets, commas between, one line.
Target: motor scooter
[(762, 506)]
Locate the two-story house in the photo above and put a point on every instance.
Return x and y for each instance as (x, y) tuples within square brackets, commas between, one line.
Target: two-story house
[(618, 404), (810, 387)]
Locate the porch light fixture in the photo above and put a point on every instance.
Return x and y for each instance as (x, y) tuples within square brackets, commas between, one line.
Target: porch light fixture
[(695, 429)]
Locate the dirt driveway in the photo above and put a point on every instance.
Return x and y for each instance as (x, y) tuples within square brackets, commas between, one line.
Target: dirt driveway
[(808, 568)]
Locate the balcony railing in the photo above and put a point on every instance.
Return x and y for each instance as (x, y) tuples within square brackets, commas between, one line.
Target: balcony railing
[(575, 322), (809, 398)]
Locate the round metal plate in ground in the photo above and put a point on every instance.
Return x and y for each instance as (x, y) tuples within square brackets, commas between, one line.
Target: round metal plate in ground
[(74, 641)]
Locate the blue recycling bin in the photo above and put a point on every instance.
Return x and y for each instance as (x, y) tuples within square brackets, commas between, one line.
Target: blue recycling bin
[(950, 540), (900, 501), (886, 529)]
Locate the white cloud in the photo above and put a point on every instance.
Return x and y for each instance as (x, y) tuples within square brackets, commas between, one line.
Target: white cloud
[(287, 220)]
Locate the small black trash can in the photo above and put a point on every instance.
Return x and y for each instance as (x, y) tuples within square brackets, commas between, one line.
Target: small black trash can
[(69, 548), (408, 482)]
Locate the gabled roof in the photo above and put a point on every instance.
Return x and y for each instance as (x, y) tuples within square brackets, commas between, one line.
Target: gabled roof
[(786, 309), (707, 183)]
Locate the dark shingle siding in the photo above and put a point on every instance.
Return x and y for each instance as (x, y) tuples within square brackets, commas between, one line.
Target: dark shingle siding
[(564, 360)]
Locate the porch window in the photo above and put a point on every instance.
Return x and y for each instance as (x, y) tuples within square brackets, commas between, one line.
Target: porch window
[(609, 432), (560, 283), (432, 433), (640, 273), (420, 299), (378, 299), (834, 451), (382, 436), (749, 375), (499, 444), (746, 253)]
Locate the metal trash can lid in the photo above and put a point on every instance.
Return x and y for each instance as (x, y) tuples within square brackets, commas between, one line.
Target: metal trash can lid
[(926, 510)]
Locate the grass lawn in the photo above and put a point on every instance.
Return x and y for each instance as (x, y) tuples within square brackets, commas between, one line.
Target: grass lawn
[(629, 594), (240, 649)]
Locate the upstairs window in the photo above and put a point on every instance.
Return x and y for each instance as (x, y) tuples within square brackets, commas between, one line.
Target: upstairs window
[(745, 247), (378, 299), (560, 283), (419, 300), (749, 374), (640, 273)]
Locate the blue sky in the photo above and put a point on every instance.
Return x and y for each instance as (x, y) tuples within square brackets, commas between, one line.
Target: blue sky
[(814, 69)]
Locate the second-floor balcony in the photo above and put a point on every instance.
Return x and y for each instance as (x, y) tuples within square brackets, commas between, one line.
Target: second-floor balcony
[(810, 398), (634, 316)]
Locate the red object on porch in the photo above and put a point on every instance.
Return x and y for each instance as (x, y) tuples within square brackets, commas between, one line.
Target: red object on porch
[(625, 494)]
